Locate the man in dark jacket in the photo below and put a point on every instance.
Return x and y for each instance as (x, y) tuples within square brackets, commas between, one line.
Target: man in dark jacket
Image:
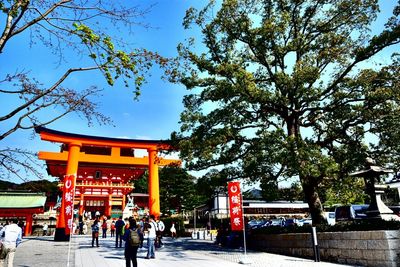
[(130, 250), (119, 225)]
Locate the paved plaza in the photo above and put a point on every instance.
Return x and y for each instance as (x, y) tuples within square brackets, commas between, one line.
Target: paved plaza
[(182, 252)]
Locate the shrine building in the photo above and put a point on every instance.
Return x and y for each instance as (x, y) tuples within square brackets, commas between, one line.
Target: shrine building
[(21, 205), (103, 170)]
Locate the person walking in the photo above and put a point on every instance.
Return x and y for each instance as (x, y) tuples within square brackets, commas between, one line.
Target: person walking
[(112, 230), (119, 225), (104, 229), (81, 227), (132, 241), (95, 233), (12, 238), (152, 228), (141, 226), (173, 230), (45, 227), (160, 232)]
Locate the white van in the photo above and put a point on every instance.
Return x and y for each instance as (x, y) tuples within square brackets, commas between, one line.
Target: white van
[(330, 217)]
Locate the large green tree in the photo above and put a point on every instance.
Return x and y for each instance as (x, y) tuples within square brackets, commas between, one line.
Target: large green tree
[(177, 190), (287, 88), (79, 36)]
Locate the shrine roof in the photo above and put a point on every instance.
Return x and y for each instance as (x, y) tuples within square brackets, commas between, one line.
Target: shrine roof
[(58, 135), (21, 200)]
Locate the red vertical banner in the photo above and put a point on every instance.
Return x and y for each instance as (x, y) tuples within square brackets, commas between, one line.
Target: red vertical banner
[(235, 206), (69, 191)]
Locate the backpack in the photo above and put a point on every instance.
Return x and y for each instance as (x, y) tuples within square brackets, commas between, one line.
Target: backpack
[(134, 239)]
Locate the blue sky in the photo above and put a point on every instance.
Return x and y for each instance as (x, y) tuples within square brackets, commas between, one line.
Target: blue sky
[(157, 112), (154, 116)]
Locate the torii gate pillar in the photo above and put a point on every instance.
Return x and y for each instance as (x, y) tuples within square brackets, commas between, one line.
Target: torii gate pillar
[(72, 169), (153, 183)]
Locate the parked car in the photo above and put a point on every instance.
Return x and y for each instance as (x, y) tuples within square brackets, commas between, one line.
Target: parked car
[(275, 222), (350, 212), (305, 221), (291, 222), (255, 224), (395, 209)]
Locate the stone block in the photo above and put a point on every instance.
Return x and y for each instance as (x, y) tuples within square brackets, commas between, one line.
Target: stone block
[(334, 252), (355, 254), (350, 235), (365, 235), (379, 255), (325, 236), (378, 235), (346, 244), (356, 262), (377, 244), (378, 263), (362, 244), (323, 243), (392, 235), (345, 253), (333, 244)]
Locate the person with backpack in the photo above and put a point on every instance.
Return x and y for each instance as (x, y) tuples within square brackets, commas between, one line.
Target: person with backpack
[(132, 242), (119, 225), (95, 232)]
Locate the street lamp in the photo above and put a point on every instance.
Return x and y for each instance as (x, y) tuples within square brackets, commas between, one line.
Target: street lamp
[(209, 220), (194, 217)]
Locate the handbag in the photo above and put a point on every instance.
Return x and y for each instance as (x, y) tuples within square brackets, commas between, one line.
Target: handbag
[(3, 251)]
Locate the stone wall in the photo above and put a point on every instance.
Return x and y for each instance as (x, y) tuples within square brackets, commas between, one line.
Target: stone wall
[(363, 248)]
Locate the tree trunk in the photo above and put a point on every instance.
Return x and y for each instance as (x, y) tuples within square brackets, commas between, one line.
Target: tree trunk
[(312, 198)]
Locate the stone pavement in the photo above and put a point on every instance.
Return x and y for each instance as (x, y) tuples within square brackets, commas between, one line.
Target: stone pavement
[(181, 252)]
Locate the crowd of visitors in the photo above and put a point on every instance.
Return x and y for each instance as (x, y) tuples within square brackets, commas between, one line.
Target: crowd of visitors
[(146, 232), (149, 229)]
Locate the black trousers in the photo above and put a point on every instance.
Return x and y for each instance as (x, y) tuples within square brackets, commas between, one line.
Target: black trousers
[(118, 234), (95, 236), (130, 256)]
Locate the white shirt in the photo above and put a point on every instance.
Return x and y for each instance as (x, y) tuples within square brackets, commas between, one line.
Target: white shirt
[(12, 235), (161, 226), (152, 230)]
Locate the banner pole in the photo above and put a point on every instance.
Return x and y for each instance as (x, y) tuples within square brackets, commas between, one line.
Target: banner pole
[(244, 259)]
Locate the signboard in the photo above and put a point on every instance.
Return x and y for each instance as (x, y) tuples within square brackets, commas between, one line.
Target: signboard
[(235, 206), (69, 191)]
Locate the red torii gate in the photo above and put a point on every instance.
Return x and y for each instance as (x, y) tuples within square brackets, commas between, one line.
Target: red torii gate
[(82, 155)]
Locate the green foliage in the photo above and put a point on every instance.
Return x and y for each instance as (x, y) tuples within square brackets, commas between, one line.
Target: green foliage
[(279, 89), (114, 64), (43, 186), (177, 190), (344, 191), (209, 184), (141, 185)]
